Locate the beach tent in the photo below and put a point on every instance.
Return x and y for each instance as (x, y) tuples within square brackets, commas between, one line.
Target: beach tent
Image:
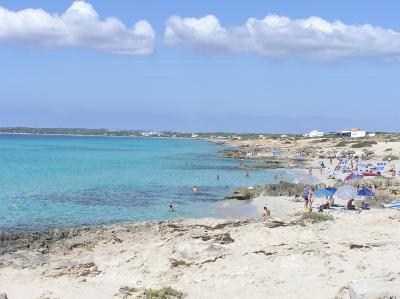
[(325, 192), (365, 192), (346, 193)]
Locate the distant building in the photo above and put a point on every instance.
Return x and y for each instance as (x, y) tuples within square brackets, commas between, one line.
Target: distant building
[(371, 134), (236, 137), (152, 134), (314, 133), (194, 135), (353, 133), (261, 136)]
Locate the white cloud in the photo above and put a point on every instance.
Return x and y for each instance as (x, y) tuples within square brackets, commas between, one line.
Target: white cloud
[(79, 26), (281, 37)]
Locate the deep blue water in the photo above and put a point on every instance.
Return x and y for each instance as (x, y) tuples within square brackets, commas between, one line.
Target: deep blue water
[(58, 181)]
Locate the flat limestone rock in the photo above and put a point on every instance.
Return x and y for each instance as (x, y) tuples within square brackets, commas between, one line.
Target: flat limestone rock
[(374, 289)]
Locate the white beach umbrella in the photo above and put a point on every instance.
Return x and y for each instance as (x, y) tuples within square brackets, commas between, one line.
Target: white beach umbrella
[(346, 193)]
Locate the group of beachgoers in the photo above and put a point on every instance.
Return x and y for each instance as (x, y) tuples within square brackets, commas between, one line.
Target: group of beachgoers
[(308, 196)]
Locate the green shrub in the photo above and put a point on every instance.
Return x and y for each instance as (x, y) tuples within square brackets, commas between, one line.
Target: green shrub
[(390, 157), (316, 217), (342, 144), (164, 293), (363, 144)]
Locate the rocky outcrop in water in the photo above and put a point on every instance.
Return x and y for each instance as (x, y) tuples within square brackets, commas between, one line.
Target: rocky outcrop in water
[(281, 189), (39, 241)]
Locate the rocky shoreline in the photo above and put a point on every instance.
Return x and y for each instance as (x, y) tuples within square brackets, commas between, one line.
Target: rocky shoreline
[(184, 258)]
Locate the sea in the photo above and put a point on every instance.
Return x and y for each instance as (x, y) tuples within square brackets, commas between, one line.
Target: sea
[(49, 182)]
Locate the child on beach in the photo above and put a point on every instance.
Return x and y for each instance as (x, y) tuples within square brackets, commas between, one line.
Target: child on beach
[(265, 213)]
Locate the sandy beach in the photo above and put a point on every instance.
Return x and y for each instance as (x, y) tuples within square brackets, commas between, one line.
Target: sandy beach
[(275, 258)]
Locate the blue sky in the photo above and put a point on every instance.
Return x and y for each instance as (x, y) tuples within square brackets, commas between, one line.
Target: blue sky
[(224, 81)]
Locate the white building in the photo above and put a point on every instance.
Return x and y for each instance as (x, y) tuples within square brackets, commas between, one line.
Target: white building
[(353, 133), (314, 133)]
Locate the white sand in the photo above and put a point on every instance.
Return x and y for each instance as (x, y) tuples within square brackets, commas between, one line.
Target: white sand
[(312, 261)]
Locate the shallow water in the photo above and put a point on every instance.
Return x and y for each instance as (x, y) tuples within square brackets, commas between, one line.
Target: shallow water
[(61, 181)]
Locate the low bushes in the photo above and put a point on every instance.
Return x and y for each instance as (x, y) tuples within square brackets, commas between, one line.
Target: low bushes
[(367, 143)]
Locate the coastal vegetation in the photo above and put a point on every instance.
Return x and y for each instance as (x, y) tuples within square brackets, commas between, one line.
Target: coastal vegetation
[(390, 158), (342, 144), (366, 143), (163, 293), (314, 218)]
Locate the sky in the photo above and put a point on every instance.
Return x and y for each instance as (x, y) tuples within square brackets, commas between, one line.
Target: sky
[(275, 66)]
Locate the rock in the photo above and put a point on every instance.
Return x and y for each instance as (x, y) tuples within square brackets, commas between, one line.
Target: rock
[(281, 189), (176, 263), (81, 270), (224, 238), (41, 242), (374, 289), (3, 296), (128, 293), (356, 246)]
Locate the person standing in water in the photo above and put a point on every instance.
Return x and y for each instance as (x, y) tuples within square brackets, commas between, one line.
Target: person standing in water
[(171, 209), (217, 177), (247, 174)]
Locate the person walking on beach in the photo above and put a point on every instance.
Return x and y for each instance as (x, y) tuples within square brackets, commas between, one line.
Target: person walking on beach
[(310, 197), (306, 195), (310, 171)]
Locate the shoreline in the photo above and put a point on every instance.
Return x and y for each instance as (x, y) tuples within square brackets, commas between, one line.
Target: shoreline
[(280, 257)]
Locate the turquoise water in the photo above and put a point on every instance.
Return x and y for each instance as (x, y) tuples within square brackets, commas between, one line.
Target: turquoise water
[(59, 181)]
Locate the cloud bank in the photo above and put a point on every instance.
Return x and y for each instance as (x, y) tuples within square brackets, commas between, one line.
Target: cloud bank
[(79, 26), (278, 37)]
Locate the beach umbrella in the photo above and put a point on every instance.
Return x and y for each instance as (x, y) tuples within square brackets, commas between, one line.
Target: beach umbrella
[(365, 192), (326, 192), (346, 192)]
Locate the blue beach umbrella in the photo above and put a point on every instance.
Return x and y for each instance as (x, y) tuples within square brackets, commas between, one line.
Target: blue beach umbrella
[(346, 193), (327, 192), (365, 192)]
